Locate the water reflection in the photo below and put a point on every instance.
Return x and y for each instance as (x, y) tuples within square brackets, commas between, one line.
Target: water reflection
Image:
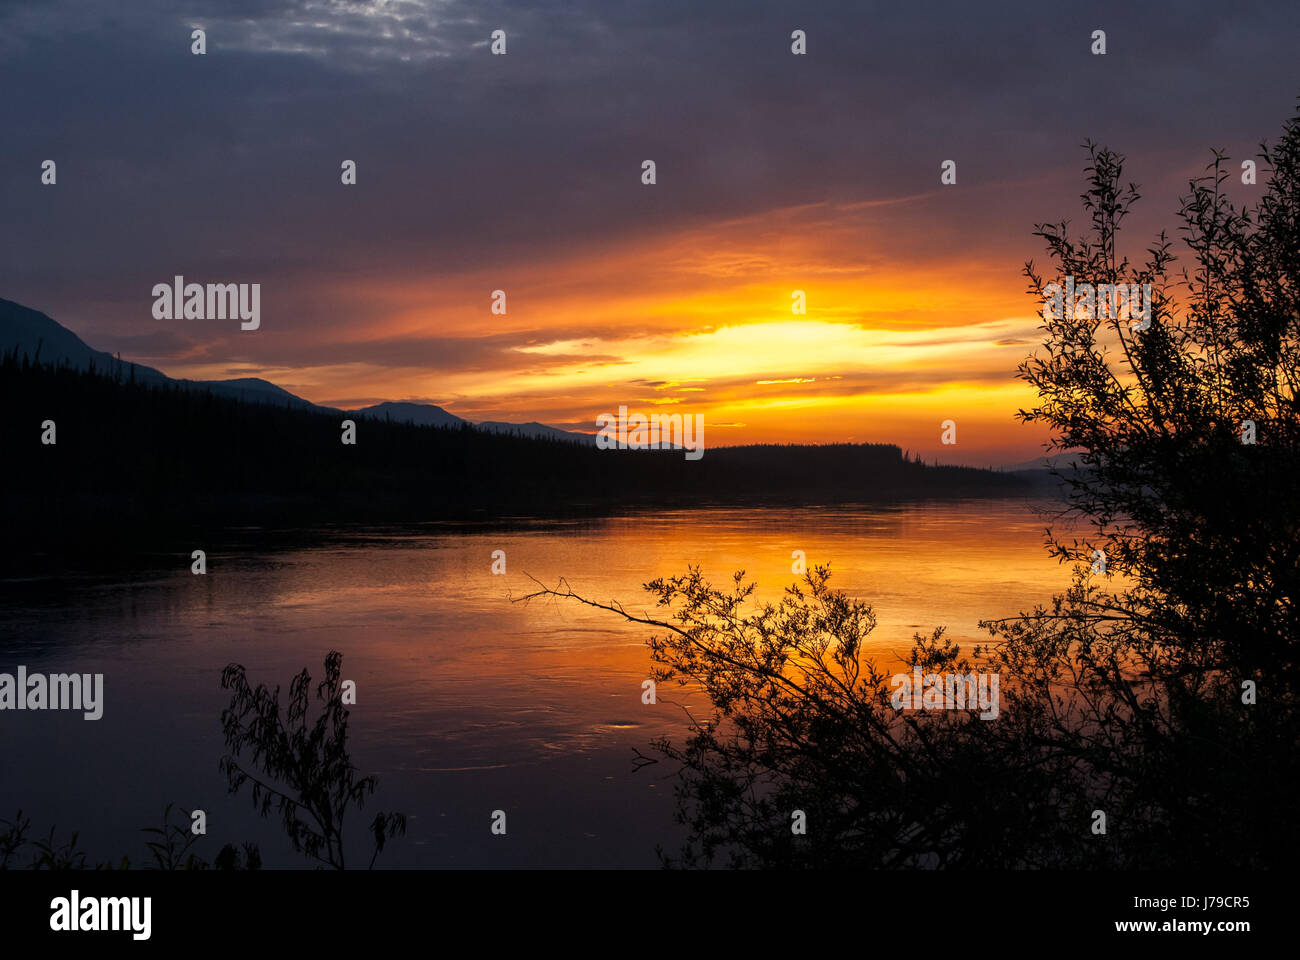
[(466, 703)]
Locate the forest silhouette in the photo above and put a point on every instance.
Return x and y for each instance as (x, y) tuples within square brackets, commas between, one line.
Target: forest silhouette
[(142, 459)]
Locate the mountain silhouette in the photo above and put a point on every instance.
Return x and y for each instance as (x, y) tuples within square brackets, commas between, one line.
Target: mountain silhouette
[(37, 336), (534, 429), (32, 334), (420, 414), (141, 458)]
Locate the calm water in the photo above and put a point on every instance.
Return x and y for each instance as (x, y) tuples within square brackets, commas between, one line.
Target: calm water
[(467, 702)]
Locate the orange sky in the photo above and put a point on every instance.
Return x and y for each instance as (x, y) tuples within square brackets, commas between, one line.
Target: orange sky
[(700, 320), (777, 170)]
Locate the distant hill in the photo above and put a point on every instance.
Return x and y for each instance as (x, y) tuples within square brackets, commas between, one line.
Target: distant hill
[(420, 414), (1056, 461), (429, 415), (253, 390), (30, 333), (34, 335), (535, 429)]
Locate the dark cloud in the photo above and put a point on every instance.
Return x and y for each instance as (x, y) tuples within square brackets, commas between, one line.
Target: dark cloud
[(227, 166), (495, 352)]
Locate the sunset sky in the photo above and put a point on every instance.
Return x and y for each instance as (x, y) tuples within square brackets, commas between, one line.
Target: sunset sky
[(523, 173)]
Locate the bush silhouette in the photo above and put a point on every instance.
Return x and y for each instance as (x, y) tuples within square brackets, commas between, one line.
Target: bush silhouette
[(1159, 691), (300, 769)]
